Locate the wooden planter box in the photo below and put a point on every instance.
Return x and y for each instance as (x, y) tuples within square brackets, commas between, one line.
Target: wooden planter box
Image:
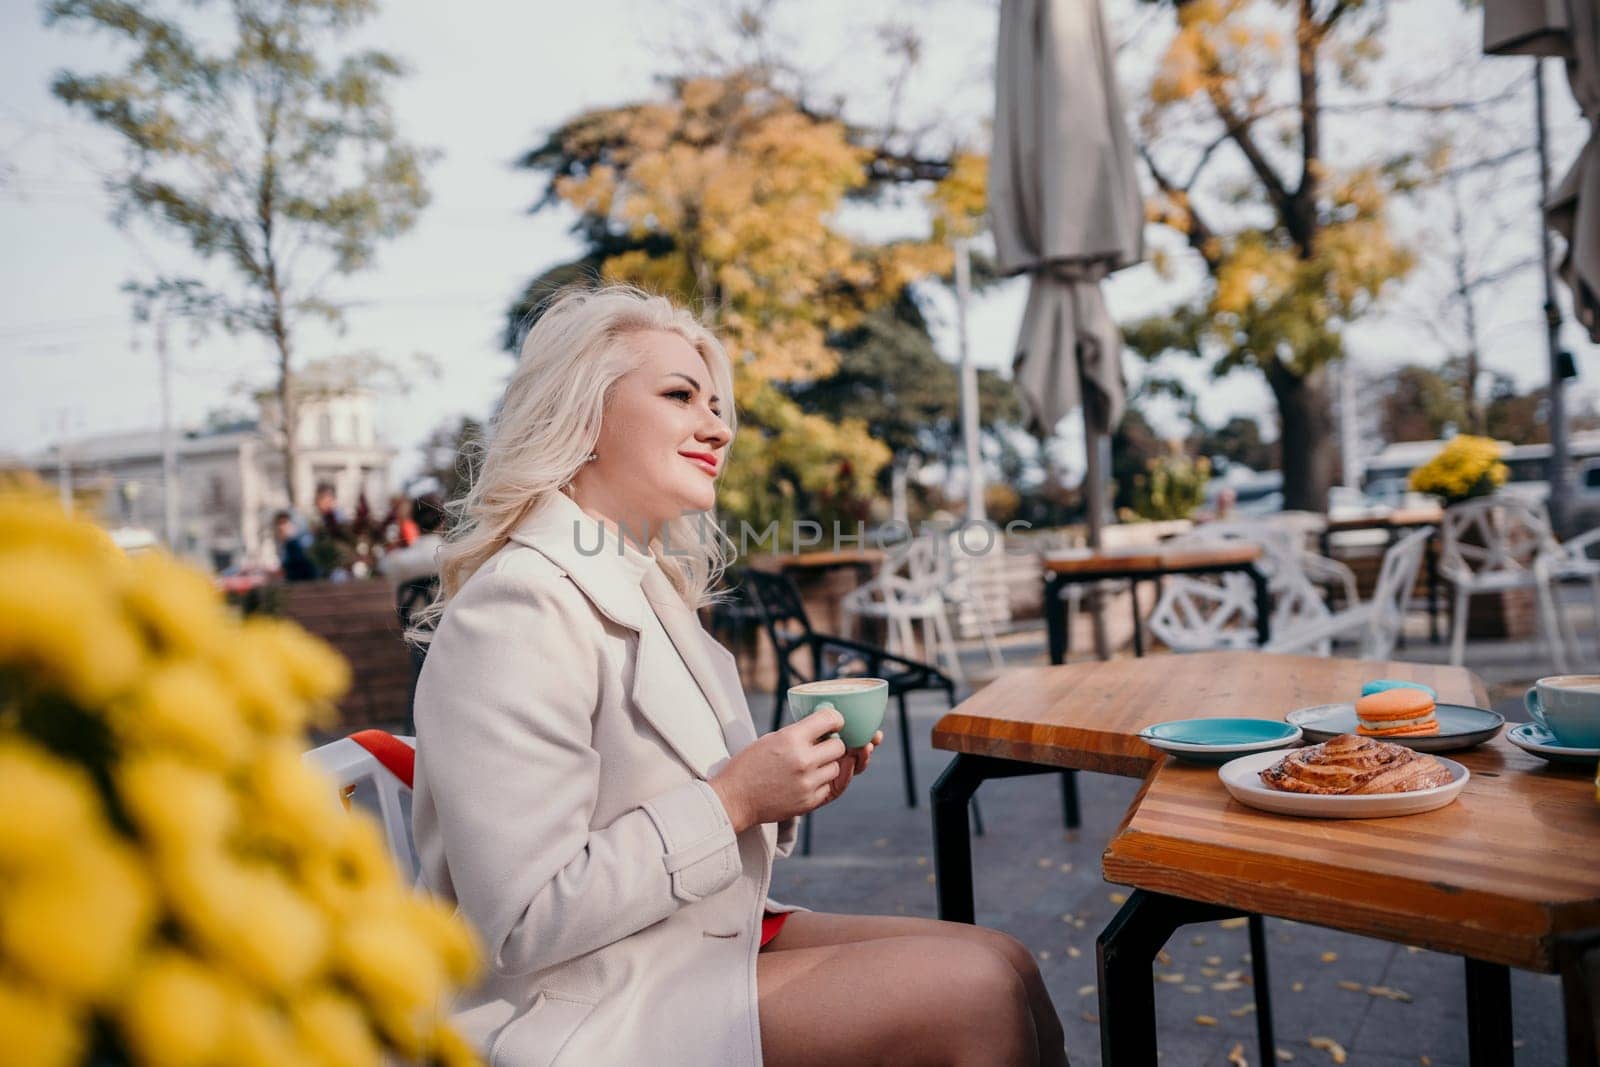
[(359, 619)]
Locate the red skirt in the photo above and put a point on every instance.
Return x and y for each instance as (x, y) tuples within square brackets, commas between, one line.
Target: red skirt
[(771, 923)]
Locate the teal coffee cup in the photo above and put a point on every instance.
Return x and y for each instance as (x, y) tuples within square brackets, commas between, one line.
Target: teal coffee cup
[(860, 700), (1568, 705)]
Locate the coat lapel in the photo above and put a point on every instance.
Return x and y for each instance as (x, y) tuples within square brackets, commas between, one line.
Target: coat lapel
[(676, 686)]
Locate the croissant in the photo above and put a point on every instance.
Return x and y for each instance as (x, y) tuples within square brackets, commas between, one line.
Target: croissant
[(1349, 765)]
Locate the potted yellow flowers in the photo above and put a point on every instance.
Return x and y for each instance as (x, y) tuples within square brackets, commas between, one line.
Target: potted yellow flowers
[(1466, 467), (177, 887)]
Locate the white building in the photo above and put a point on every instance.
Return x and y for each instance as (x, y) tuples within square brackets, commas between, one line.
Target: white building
[(230, 479)]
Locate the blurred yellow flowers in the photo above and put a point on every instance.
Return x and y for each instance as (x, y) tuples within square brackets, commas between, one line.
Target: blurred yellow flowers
[(1466, 467), (177, 886)]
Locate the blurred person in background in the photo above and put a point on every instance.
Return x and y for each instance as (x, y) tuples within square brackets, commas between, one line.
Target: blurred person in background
[(419, 559)]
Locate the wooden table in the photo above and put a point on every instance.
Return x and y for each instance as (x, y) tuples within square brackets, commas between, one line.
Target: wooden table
[(823, 578), (1496, 877), (1145, 564), (1395, 522)]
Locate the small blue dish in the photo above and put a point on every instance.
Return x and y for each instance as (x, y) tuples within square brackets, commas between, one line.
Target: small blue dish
[(1379, 685), (1216, 741)]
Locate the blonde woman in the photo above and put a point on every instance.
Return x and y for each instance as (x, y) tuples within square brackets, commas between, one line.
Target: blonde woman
[(589, 787)]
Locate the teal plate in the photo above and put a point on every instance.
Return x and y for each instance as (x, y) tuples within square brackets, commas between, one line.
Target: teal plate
[(1216, 741), (1460, 726)]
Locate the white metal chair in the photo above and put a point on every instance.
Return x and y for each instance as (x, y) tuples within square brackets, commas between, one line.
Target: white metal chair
[(1494, 544), (1197, 614), (1570, 561), (1376, 623), (382, 763)]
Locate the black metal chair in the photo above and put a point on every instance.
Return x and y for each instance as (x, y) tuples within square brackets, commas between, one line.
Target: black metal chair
[(411, 597), (783, 615)]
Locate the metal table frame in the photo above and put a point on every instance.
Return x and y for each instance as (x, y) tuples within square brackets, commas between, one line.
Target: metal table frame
[(1129, 943)]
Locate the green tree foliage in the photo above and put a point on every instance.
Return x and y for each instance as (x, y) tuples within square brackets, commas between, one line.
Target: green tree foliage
[(1238, 441), (725, 195), (1294, 245), (267, 155)]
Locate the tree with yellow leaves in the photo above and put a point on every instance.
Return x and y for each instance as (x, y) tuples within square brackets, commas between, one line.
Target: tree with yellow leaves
[(1294, 245), (725, 195)]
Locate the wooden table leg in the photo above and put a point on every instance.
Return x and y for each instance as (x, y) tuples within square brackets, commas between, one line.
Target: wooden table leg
[(1489, 1014)]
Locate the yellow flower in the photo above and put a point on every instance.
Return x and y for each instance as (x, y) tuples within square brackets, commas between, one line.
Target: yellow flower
[(259, 1034), (61, 621), (44, 801), (355, 871), (390, 963), (77, 924), (315, 671), (40, 1031), (249, 664), (450, 1049), (250, 918), (293, 800), (176, 806), (334, 1030), (182, 704), (1466, 466), (452, 938), (177, 604), (35, 520), (175, 1012)]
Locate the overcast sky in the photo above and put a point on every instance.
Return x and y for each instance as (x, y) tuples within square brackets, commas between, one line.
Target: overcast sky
[(488, 79)]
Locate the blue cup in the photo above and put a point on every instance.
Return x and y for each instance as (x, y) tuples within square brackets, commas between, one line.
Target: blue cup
[(1568, 705)]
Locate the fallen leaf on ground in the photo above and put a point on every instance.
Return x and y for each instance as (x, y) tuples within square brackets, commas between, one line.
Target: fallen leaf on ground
[(1236, 976), (1074, 951), (1334, 1050), (1226, 987), (1233, 924), (922, 861), (1215, 961), (1193, 988), (1198, 939), (1354, 987), (1243, 1010), (1117, 898), (1171, 979), (1079, 923), (1044, 954), (1085, 990), (1205, 1020), (1389, 992), (1209, 972), (1164, 958), (1067, 917), (1426, 1061), (1329, 957), (1297, 987), (930, 879), (1091, 1018), (1066, 867), (1236, 1056), (1284, 1055), (1413, 949)]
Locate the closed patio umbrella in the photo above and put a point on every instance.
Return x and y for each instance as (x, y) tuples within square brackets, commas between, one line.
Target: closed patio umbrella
[(1065, 207)]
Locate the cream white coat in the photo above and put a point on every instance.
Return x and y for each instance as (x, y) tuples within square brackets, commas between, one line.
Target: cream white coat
[(568, 716)]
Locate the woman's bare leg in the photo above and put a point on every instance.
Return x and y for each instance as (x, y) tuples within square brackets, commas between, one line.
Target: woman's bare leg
[(814, 930), (893, 1002)]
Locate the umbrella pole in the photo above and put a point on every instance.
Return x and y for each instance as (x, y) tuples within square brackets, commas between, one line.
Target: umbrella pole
[(1557, 472), (1094, 483), (969, 387)]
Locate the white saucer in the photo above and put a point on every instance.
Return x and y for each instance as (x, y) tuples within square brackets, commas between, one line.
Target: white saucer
[(1242, 777), (1531, 737)]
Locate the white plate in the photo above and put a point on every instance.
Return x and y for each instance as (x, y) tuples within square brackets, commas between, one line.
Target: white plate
[(1531, 737), (1242, 777)]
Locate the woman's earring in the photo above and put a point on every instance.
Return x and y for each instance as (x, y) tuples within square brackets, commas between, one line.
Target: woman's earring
[(592, 457)]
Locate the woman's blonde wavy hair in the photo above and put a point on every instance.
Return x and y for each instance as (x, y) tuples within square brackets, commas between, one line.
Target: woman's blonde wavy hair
[(549, 422)]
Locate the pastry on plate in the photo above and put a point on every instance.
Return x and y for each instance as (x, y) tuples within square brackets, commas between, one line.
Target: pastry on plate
[(1353, 766), (1398, 712)]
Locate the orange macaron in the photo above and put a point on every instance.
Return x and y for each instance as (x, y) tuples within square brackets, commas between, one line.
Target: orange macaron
[(1396, 713)]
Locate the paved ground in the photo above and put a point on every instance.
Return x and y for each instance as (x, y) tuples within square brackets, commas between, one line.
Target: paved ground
[(872, 854)]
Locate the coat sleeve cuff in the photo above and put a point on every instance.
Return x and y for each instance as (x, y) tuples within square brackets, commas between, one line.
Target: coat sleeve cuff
[(702, 851), (788, 833)]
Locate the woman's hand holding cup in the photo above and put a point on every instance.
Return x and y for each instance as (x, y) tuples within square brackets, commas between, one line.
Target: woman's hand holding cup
[(785, 773)]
